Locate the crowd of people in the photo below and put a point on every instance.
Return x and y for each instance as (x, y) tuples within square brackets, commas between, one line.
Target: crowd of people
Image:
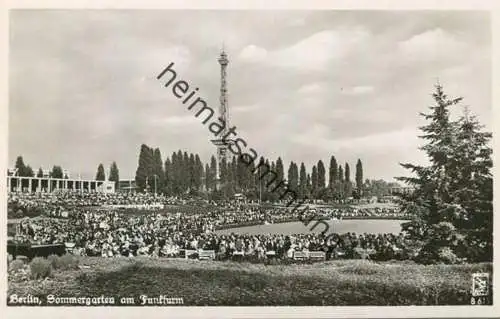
[(83, 199), (107, 232)]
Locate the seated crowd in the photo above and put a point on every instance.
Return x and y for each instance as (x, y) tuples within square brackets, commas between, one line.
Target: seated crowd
[(83, 199), (108, 233)]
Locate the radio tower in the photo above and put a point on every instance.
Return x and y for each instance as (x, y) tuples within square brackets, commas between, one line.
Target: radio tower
[(222, 146)]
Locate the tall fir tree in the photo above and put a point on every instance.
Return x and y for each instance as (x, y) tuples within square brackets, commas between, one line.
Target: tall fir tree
[(198, 172), (452, 201), (321, 175), (57, 172), (280, 171), (340, 182), (302, 181), (100, 175), (114, 174), (174, 174), (168, 185), (186, 178), (213, 173), (333, 172), (347, 172), (20, 166), (347, 181), (314, 181), (192, 172), (144, 167), (158, 175), (359, 177), (308, 191), (292, 179), (208, 181)]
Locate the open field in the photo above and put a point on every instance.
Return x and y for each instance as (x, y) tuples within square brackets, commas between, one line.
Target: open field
[(336, 226), (342, 282)]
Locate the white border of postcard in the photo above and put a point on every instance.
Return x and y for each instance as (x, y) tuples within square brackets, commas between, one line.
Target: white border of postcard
[(244, 312)]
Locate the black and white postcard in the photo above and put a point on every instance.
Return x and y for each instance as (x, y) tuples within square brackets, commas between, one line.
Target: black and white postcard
[(249, 162)]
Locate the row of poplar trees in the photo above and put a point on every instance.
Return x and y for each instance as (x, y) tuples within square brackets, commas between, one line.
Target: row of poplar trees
[(184, 173)]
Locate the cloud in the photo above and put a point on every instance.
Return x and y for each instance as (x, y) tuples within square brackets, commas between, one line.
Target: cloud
[(244, 108), (177, 120), (432, 45), (313, 88), (253, 53), (358, 90), (319, 135), (312, 53)]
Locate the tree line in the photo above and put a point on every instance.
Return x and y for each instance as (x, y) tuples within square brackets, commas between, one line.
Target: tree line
[(183, 173)]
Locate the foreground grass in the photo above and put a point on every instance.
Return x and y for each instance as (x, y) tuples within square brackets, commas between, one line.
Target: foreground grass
[(350, 282)]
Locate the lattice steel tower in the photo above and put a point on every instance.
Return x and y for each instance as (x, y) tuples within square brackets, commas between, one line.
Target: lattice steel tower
[(222, 146)]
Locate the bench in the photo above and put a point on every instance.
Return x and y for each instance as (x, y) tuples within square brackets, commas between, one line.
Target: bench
[(317, 255), (299, 255), (238, 255), (69, 247), (187, 253), (206, 254)]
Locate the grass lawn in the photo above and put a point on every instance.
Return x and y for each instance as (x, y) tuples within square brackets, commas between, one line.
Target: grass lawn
[(358, 226), (335, 283)]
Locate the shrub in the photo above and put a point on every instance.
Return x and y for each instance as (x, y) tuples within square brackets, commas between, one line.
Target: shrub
[(68, 261), (448, 256), (16, 265), (64, 262), (54, 261), (40, 268)]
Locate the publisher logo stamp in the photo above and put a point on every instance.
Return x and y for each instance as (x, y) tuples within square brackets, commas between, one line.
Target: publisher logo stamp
[(480, 288)]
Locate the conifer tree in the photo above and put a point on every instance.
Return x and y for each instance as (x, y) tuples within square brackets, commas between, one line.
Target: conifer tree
[(452, 201), (359, 177), (280, 170), (314, 181), (100, 175), (168, 187), (321, 175), (333, 173), (208, 181), (158, 175), (114, 174), (302, 181), (144, 166), (198, 172), (213, 173), (20, 166), (57, 172), (292, 179)]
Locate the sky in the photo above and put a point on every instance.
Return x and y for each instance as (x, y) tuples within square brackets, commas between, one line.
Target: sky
[(303, 85)]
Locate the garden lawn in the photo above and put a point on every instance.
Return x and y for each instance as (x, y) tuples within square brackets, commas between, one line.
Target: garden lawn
[(333, 283)]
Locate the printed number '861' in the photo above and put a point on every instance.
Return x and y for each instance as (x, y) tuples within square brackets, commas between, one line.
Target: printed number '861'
[(477, 301)]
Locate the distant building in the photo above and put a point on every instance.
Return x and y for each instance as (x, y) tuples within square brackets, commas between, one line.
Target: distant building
[(23, 184), (401, 190), (106, 187), (127, 185)]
